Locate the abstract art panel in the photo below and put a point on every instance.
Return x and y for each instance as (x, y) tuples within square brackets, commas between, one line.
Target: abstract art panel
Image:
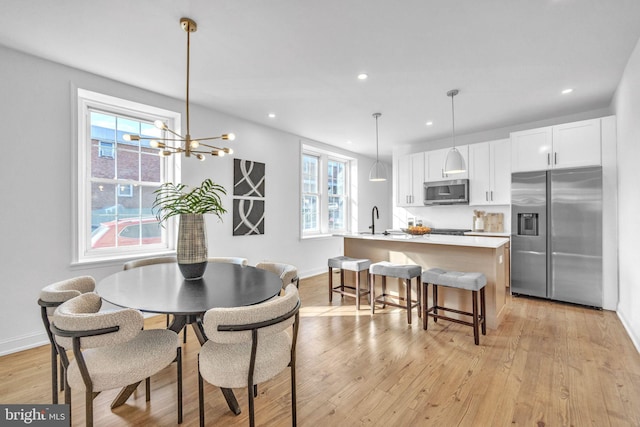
[(248, 217), (248, 178)]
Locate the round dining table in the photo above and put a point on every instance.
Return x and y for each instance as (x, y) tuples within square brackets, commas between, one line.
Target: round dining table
[(161, 288)]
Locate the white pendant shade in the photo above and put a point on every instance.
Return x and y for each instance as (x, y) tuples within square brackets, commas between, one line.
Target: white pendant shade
[(454, 163), (378, 172)]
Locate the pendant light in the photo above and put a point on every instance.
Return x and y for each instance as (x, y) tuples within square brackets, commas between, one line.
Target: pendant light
[(177, 143), (378, 171), (454, 163)]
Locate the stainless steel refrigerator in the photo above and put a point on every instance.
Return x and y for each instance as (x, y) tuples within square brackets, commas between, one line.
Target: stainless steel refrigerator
[(556, 235)]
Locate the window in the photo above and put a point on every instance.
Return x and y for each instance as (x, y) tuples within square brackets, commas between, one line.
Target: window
[(117, 178), (105, 149), (326, 194)]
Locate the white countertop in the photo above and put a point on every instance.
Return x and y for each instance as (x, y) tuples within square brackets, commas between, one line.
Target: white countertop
[(487, 234), (433, 239)]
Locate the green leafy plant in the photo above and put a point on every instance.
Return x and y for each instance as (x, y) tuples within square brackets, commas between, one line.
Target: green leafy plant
[(172, 199)]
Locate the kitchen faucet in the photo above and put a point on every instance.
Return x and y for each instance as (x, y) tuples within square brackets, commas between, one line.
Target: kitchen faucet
[(373, 224)]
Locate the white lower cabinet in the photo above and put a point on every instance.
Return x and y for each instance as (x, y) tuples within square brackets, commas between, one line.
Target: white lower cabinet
[(490, 173)]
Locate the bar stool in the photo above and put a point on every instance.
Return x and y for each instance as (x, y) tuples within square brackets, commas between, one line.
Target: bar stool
[(399, 271), (350, 264), (473, 282)]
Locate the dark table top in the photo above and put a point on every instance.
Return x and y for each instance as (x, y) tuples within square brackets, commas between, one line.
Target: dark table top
[(160, 288)]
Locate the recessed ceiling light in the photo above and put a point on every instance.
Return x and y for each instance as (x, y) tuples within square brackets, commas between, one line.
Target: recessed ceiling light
[(272, 115), (429, 123), (566, 91), (363, 76)]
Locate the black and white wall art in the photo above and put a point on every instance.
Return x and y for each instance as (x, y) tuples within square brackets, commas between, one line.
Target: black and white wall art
[(248, 178), (248, 217), (248, 202)]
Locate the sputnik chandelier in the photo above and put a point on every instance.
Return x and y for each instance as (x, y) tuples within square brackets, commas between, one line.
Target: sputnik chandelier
[(185, 144)]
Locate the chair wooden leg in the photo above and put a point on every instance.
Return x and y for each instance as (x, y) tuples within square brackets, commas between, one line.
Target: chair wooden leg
[(147, 389), (342, 283), (179, 373), (200, 395), (252, 421), (88, 401), (384, 290), (474, 311), (184, 335), (294, 416), (54, 375)]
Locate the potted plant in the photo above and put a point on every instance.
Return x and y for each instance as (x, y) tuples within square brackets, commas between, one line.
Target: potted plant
[(174, 200)]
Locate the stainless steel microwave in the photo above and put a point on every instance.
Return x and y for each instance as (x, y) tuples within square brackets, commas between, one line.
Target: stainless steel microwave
[(453, 192)]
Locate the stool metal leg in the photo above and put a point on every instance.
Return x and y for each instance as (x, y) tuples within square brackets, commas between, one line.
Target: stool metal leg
[(474, 304), (408, 285), (425, 305), (419, 295), (372, 294), (357, 290), (330, 284), (483, 308), (435, 302)]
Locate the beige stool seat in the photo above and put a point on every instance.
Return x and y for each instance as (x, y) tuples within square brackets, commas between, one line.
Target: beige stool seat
[(356, 265), (474, 282), (399, 271)]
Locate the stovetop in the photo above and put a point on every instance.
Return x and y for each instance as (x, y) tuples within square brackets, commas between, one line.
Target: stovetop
[(449, 231)]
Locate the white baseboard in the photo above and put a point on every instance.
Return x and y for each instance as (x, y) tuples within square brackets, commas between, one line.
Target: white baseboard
[(627, 326), (313, 272), (26, 342)]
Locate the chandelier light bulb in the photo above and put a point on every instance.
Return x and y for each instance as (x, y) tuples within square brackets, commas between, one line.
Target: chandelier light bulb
[(154, 144), (228, 150), (160, 124), (229, 136), (165, 153), (200, 157), (194, 144)]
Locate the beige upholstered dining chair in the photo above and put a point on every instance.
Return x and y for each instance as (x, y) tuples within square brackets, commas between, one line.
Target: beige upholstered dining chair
[(230, 259), (287, 272), (111, 350), (250, 345), (151, 261), (51, 297)]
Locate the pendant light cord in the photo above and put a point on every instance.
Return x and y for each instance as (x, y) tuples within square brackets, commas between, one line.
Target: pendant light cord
[(188, 61), (377, 139), (453, 121)]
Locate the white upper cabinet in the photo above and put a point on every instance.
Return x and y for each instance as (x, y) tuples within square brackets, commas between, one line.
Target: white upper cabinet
[(490, 173), (410, 179), (562, 146), (577, 144), (435, 164)]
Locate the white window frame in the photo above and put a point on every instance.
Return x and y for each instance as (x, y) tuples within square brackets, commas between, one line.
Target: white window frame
[(170, 172), (324, 156)]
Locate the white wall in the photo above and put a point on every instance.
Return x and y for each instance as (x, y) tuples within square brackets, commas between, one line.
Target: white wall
[(37, 111), (627, 109)]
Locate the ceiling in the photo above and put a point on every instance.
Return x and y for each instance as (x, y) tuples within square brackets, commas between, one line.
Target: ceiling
[(300, 59)]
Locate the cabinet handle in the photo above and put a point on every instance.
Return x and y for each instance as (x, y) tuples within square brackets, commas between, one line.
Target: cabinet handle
[(486, 196), (549, 159), (492, 195), (555, 158)]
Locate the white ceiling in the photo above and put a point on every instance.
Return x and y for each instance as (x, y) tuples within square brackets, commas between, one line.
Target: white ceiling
[(299, 59)]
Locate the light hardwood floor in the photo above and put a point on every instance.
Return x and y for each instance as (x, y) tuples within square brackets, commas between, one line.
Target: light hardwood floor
[(548, 364)]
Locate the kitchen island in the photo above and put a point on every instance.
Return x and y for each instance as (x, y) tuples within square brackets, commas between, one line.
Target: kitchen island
[(461, 253)]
